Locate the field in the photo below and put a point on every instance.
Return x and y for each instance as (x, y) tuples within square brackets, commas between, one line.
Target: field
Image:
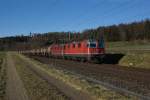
[(81, 83), (36, 81), (41, 78), (37, 88), (127, 46), (136, 54), (116, 75)]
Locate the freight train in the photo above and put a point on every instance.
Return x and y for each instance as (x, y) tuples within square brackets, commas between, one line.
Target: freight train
[(85, 50)]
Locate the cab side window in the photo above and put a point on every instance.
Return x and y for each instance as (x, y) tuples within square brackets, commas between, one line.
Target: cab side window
[(92, 45)]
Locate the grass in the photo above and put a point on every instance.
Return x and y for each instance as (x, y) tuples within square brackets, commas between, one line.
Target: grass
[(135, 44), (137, 54), (96, 90), (2, 76), (125, 47), (138, 60), (37, 88)]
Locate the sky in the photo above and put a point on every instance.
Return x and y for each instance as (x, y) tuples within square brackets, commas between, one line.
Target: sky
[(38, 16)]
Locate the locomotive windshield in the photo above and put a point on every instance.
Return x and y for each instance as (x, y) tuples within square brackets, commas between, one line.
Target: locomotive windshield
[(91, 44)]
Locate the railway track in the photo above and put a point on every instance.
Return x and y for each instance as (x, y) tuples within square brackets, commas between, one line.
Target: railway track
[(122, 79), (110, 86)]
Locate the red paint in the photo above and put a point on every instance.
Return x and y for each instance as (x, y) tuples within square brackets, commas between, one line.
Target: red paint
[(75, 48)]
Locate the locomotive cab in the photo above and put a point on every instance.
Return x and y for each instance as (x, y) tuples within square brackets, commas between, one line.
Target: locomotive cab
[(95, 50), (96, 47)]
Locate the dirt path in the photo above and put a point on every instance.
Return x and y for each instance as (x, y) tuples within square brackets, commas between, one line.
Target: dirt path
[(67, 90), (15, 89)]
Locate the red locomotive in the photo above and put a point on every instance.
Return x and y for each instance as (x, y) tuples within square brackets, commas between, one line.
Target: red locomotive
[(86, 50), (83, 50)]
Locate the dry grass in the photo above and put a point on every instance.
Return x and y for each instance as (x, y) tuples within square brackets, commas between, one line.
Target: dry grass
[(137, 54), (127, 45), (139, 60), (96, 90), (2, 76), (37, 88)]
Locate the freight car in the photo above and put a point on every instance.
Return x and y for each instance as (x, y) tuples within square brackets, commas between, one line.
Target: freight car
[(86, 50)]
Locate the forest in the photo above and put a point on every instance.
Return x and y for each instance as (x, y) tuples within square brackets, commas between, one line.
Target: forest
[(135, 31)]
